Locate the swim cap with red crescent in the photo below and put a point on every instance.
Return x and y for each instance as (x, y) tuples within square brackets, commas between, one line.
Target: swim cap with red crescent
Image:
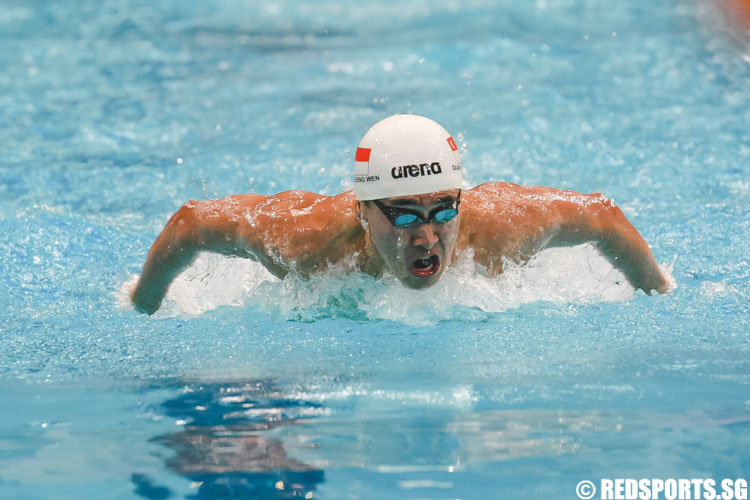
[(404, 155)]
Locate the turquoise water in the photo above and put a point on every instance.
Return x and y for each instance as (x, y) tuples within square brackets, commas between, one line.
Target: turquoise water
[(112, 114)]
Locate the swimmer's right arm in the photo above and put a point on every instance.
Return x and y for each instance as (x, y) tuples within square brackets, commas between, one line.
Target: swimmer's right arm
[(293, 229), (218, 226)]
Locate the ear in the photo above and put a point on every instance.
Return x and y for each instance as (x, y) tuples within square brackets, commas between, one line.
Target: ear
[(360, 213), (361, 208)]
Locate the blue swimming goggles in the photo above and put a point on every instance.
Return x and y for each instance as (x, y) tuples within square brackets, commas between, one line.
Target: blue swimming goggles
[(403, 217)]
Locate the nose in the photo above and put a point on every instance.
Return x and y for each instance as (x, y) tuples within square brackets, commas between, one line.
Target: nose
[(425, 236)]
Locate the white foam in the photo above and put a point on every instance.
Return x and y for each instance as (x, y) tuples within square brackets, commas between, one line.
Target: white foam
[(559, 275), (211, 281)]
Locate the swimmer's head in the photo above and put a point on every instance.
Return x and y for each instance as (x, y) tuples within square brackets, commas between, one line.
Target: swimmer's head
[(405, 155), (407, 179)]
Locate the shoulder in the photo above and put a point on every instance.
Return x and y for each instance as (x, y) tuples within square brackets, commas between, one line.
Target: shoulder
[(223, 207), (253, 211), (495, 187), (306, 219), (509, 192), (289, 206), (492, 197), (309, 210), (309, 229), (508, 195), (309, 202)]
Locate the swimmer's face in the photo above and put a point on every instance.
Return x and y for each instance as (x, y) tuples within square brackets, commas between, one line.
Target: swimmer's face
[(417, 254)]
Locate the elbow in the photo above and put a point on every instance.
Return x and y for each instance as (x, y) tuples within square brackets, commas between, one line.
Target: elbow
[(599, 202), (182, 225), (185, 214), (605, 216)]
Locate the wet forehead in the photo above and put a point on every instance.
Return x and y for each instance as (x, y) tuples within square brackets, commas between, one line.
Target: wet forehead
[(436, 198)]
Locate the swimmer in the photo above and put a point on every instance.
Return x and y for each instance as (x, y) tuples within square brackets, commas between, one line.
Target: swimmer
[(406, 216)]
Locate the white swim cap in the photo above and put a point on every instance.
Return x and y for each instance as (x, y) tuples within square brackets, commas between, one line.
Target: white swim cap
[(403, 155)]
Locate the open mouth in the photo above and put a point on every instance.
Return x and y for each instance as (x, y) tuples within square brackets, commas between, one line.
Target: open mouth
[(426, 266)]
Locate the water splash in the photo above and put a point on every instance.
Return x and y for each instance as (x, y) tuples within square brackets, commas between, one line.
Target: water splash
[(558, 275)]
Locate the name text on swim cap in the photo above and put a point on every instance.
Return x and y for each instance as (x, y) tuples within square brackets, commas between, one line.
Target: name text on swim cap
[(366, 178)]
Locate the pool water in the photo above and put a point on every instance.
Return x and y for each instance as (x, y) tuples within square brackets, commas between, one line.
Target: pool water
[(112, 114)]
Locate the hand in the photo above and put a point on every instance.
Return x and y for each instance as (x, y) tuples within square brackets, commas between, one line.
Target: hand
[(144, 302)]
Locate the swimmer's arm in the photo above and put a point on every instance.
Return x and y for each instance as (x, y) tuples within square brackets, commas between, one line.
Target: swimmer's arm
[(593, 218), (214, 226), (293, 229)]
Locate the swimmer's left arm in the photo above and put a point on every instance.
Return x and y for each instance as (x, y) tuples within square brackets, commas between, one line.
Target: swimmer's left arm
[(579, 218)]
